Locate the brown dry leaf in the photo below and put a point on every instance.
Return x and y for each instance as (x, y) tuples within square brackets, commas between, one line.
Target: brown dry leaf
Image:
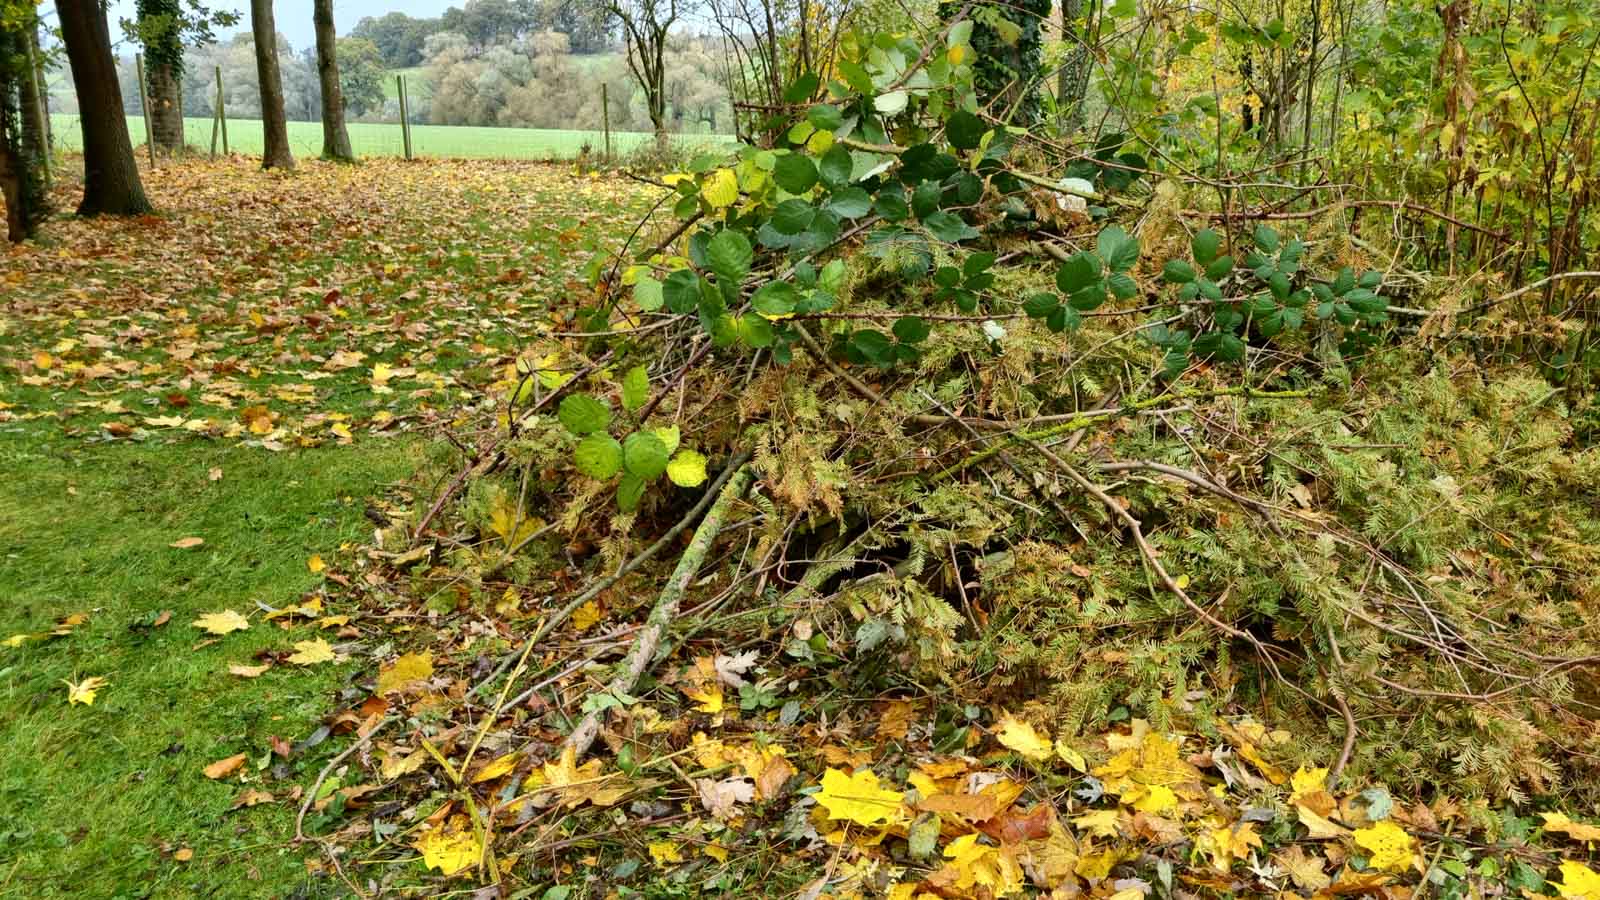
[(222, 768), (722, 798), (187, 543), (1305, 868), (244, 671), (773, 777), (895, 720), (252, 797), (971, 807)]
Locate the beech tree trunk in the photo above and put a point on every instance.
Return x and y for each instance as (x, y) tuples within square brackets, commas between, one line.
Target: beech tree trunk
[(275, 129), (110, 177), (335, 137)]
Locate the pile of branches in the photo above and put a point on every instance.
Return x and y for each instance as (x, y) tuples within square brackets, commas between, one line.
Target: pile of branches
[(932, 423)]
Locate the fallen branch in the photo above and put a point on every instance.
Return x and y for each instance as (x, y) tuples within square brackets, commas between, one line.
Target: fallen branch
[(311, 795), (666, 608)]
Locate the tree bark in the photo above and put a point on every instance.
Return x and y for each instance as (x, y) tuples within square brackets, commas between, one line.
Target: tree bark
[(110, 177), (273, 125), (166, 108), (335, 137), (35, 120), (1072, 80)]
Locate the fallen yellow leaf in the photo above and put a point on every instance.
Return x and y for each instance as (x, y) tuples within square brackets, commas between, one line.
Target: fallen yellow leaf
[(586, 616), (187, 543), (84, 691), (1019, 736), (409, 668), (315, 564), (244, 671), (310, 653), (1388, 846), (1578, 881), (497, 768), (221, 622), (450, 850), (1578, 831), (858, 798)]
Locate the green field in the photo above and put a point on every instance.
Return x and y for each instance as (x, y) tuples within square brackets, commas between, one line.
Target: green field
[(456, 142)]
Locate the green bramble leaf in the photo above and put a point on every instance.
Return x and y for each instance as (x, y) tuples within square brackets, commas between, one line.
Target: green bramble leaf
[(644, 455), (583, 414), (598, 456), (635, 388)]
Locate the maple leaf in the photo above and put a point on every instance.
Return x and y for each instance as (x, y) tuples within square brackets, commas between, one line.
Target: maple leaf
[(707, 699), (405, 671), (1019, 736), (1227, 843), (976, 865), (1578, 881), (1578, 831), (586, 616), (450, 849), (309, 653), (572, 783), (315, 564), (1303, 867), (221, 622), (858, 798), (1388, 847), (665, 853), (83, 692)]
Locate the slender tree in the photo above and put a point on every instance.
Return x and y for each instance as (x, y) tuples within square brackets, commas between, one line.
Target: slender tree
[(21, 180), (645, 26), (335, 137), (110, 177), (273, 125), (159, 30)]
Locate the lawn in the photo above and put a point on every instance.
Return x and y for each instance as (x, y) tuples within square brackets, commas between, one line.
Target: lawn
[(250, 367), (377, 139)]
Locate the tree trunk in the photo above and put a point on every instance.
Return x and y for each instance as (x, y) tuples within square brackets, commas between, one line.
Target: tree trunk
[(335, 138), (110, 177), (44, 93), (1072, 80), (274, 128), (166, 108), (35, 119)]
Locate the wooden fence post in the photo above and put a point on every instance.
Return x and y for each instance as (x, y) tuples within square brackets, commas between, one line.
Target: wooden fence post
[(605, 117), (35, 71), (216, 118), (405, 115), (222, 112), (144, 102)]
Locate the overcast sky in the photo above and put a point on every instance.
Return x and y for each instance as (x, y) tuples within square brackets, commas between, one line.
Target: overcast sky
[(293, 16)]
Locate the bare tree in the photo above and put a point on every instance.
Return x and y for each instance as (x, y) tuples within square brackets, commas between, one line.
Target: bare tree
[(275, 128), (335, 137), (645, 25), (110, 177)]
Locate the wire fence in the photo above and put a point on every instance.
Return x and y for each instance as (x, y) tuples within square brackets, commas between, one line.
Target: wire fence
[(387, 139)]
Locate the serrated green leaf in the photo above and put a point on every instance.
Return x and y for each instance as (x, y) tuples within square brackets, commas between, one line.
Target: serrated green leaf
[(647, 293), (598, 456), (644, 455), (635, 388), (730, 255), (583, 414)]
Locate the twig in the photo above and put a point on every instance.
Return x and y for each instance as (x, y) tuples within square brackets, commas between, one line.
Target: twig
[(311, 795), (593, 590), (666, 608)]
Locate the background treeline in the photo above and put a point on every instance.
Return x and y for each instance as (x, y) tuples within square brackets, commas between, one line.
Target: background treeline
[(490, 63)]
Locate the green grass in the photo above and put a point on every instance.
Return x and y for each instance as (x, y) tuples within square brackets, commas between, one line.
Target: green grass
[(98, 797), (373, 139)]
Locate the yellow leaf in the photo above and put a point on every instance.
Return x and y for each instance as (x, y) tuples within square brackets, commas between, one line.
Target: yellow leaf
[(1100, 823), (83, 692), (1094, 867), (1578, 831), (1388, 846), (411, 667), (573, 783), (42, 360), (1156, 799), (708, 700), (973, 865), (1228, 843), (1306, 781), (244, 671), (1318, 826), (315, 564), (586, 616), (1019, 736), (665, 853), (956, 54), (1072, 757), (721, 188), (449, 850), (16, 640), (1578, 881), (309, 653), (687, 469), (498, 768), (221, 622), (716, 852), (858, 798), (187, 543)]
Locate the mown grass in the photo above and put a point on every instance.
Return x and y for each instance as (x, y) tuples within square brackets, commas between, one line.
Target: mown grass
[(100, 798), (385, 139)]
